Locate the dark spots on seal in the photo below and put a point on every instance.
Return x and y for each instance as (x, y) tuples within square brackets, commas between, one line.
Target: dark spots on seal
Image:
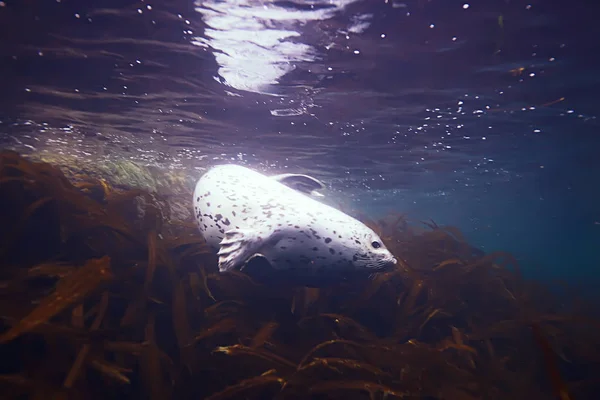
[(332, 251), (218, 217), (304, 260), (340, 253), (207, 204), (283, 247), (198, 199), (354, 258), (226, 222), (237, 227), (334, 232), (315, 249), (297, 227), (357, 241), (340, 236), (205, 227), (233, 213)]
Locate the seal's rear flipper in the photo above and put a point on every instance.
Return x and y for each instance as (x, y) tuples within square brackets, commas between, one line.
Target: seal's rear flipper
[(238, 246), (302, 183)]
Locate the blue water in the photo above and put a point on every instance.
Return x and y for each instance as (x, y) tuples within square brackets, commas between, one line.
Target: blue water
[(481, 115)]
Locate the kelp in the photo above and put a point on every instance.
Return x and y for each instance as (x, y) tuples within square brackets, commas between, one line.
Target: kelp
[(103, 295)]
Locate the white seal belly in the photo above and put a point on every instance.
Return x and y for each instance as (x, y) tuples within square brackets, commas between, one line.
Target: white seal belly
[(244, 214)]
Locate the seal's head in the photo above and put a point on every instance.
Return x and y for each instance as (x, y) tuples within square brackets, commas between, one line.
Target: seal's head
[(370, 253)]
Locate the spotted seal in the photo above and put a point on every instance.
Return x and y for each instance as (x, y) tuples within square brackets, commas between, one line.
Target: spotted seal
[(244, 214)]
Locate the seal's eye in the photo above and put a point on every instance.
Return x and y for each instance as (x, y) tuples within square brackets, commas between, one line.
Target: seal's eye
[(376, 245)]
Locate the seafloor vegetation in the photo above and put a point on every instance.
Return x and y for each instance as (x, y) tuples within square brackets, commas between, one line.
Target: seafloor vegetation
[(103, 295)]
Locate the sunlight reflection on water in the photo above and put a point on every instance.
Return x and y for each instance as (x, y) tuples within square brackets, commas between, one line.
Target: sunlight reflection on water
[(257, 43)]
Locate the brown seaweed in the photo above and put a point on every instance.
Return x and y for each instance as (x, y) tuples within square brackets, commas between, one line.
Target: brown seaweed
[(69, 290), (265, 378), (118, 300), (73, 373)]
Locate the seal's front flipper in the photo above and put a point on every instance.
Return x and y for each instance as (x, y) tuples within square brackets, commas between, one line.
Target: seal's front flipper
[(238, 246), (302, 183)]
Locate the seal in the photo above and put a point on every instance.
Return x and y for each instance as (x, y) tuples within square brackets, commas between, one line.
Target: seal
[(244, 214)]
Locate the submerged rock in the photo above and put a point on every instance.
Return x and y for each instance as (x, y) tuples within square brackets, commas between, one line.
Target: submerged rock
[(174, 186)]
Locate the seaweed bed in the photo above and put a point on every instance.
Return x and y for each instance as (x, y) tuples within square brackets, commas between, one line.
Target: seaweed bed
[(103, 295)]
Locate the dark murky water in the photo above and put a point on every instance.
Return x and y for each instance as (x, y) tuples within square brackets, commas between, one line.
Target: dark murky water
[(482, 115)]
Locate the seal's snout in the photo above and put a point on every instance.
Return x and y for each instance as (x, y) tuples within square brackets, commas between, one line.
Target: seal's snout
[(392, 263), (388, 264), (391, 259)]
